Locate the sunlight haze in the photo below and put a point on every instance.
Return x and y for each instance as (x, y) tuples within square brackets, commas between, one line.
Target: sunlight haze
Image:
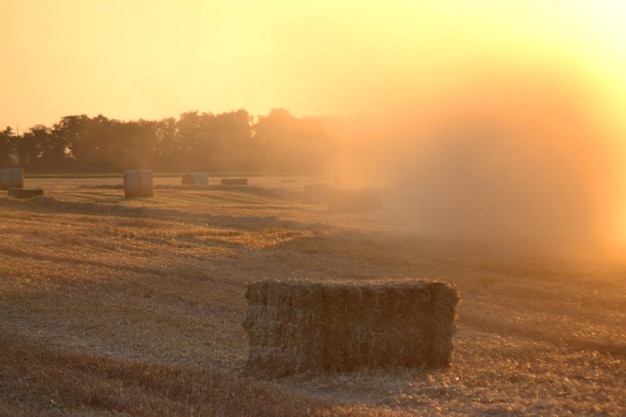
[(416, 68), (155, 59)]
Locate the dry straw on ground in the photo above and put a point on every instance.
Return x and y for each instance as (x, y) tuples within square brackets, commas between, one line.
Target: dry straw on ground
[(335, 327), (93, 323)]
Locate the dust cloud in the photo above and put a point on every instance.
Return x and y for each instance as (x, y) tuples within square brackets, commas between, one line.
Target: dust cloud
[(495, 154)]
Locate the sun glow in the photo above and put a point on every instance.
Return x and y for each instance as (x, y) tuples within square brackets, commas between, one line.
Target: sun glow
[(557, 64)]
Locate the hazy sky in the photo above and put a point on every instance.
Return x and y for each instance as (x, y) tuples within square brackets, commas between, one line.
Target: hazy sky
[(157, 58), (546, 77)]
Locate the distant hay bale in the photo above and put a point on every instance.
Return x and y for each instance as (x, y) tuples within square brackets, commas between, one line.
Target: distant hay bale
[(355, 200), (25, 192), (317, 193), (11, 178), (234, 181), (138, 183), (195, 179), (333, 327)]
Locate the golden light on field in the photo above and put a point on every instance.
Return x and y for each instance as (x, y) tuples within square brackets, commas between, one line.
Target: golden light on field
[(546, 76)]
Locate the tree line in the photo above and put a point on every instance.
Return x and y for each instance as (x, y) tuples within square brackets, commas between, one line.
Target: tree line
[(202, 142)]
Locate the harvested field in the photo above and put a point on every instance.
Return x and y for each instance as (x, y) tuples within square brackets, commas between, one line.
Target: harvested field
[(118, 307)]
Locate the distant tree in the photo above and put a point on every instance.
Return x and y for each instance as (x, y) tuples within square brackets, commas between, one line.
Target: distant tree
[(286, 142), (8, 148), (230, 135), (69, 132), (194, 142), (272, 134), (31, 147), (55, 153), (168, 149), (208, 142), (138, 145), (103, 144)]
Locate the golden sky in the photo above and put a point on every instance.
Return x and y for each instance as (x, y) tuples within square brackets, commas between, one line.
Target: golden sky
[(157, 58)]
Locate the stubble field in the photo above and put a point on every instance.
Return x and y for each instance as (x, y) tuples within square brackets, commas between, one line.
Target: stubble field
[(134, 307)]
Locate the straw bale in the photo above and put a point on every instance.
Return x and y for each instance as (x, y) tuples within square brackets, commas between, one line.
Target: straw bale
[(11, 178), (317, 193), (25, 192), (298, 326), (355, 200), (234, 181), (138, 183), (195, 179)]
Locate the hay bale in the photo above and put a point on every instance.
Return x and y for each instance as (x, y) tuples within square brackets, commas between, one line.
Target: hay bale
[(317, 193), (195, 179), (25, 192), (11, 178), (138, 183), (355, 200), (234, 181), (301, 326)]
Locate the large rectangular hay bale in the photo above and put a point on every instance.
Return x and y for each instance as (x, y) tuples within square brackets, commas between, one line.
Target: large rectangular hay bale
[(11, 178), (234, 181), (138, 183), (298, 326), (195, 179), (25, 192)]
